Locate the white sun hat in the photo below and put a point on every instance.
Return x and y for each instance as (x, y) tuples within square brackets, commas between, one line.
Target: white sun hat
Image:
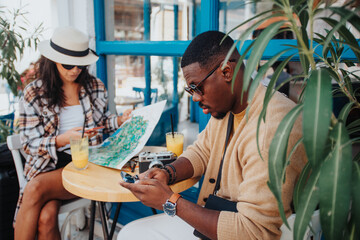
[(68, 46)]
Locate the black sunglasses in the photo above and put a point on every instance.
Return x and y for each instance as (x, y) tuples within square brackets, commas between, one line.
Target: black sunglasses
[(69, 67), (194, 88)]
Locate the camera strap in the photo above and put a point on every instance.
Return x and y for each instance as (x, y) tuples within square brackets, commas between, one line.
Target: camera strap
[(228, 132)]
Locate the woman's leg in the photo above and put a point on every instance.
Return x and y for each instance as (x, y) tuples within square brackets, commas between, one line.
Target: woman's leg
[(43, 188), (48, 227)]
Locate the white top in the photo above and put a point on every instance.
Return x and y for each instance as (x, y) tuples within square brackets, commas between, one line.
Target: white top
[(70, 117)]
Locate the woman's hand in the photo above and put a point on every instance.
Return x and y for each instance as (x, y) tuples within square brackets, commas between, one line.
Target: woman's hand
[(125, 116), (64, 139)]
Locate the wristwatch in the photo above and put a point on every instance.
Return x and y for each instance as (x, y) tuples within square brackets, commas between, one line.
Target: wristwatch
[(170, 205)]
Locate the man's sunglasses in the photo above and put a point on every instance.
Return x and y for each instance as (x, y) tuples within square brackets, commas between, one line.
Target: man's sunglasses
[(194, 88), (69, 67)]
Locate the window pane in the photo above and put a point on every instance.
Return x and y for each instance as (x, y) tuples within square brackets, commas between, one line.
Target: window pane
[(233, 13), (129, 20), (129, 73)]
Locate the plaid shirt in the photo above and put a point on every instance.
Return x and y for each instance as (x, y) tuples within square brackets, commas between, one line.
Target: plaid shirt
[(39, 125)]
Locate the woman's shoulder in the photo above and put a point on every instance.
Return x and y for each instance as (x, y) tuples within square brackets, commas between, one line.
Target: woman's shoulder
[(33, 89)]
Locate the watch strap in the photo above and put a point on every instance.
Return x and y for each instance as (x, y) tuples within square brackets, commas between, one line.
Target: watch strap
[(174, 198)]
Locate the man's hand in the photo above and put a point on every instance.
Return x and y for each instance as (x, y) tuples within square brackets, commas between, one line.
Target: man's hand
[(151, 192), (155, 173)]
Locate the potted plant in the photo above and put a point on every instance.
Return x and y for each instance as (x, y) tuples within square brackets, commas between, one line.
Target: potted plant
[(15, 36), (331, 179)]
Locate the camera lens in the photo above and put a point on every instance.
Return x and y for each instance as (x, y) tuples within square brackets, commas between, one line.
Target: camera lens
[(156, 163)]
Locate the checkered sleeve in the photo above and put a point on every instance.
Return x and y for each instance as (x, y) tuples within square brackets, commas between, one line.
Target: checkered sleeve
[(101, 115), (37, 134)]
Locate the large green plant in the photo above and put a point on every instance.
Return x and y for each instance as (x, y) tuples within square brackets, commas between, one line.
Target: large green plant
[(331, 178), (16, 33)]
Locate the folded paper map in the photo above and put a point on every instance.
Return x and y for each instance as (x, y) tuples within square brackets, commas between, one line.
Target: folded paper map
[(129, 139)]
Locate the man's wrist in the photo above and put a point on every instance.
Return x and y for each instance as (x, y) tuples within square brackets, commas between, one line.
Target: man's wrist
[(168, 174)]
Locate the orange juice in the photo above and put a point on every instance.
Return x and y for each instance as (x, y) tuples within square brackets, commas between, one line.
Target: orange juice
[(80, 152), (175, 143), (80, 159)]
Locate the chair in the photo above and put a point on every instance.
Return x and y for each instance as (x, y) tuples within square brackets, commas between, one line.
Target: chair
[(141, 91), (69, 206), (314, 233)]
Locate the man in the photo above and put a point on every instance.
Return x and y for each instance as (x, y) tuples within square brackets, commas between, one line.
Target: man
[(244, 173)]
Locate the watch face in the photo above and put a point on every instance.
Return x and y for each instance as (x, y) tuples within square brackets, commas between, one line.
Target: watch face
[(169, 208)]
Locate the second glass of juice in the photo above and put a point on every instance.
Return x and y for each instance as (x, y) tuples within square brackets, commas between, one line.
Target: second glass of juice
[(175, 142)]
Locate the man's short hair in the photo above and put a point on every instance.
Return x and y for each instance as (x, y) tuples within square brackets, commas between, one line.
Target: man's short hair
[(206, 48)]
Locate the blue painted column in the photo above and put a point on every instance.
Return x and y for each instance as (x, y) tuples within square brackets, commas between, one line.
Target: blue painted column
[(99, 17), (175, 99), (209, 21), (147, 93)]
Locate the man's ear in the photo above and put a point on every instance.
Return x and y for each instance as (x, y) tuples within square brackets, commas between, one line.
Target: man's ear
[(227, 72)]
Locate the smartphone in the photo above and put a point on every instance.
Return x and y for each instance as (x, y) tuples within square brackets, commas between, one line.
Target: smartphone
[(93, 129), (128, 178)]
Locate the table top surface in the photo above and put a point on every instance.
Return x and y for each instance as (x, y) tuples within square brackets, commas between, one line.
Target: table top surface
[(124, 100), (102, 183)]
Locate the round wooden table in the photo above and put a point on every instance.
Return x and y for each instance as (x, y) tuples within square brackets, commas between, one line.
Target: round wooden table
[(101, 184)]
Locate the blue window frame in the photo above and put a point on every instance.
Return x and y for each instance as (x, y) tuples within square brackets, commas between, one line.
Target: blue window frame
[(209, 20)]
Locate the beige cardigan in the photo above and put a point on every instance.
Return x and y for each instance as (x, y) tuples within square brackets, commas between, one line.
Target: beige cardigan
[(244, 174)]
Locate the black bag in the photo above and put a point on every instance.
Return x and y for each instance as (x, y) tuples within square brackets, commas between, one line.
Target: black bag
[(9, 192), (214, 202)]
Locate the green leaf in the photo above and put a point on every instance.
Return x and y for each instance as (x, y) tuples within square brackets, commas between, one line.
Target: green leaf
[(356, 195), (308, 201), (344, 12), (260, 74), (317, 113), (303, 59), (334, 185), (300, 185), (260, 44), (277, 156), (344, 113), (343, 31)]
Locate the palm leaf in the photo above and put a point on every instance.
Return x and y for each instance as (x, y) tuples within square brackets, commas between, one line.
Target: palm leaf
[(277, 156), (334, 185), (308, 201), (300, 185), (356, 195), (255, 56), (343, 31), (262, 71), (317, 113)]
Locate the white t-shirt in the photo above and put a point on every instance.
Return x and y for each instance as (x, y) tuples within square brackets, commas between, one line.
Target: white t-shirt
[(70, 117)]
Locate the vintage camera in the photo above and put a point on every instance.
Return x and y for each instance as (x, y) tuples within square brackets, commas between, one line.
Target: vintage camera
[(159, 159)]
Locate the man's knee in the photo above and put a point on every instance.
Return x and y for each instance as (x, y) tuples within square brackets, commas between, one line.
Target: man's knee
[(128, 231)]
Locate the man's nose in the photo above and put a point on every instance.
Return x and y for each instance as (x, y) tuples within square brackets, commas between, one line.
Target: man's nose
[(196, 97)]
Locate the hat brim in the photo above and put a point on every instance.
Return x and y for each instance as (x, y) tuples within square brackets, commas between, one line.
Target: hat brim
[(47, 51)]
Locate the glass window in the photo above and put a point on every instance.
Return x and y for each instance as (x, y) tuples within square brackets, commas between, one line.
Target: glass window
[(129, 73), (129, 20)]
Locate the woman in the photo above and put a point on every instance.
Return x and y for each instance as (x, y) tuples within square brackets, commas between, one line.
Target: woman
[(54, 109)]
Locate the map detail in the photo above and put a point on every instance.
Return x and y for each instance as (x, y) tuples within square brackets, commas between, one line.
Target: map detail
[(119, 145)]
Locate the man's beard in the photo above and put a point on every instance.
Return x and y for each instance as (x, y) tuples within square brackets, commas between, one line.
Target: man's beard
[(218, 115)]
